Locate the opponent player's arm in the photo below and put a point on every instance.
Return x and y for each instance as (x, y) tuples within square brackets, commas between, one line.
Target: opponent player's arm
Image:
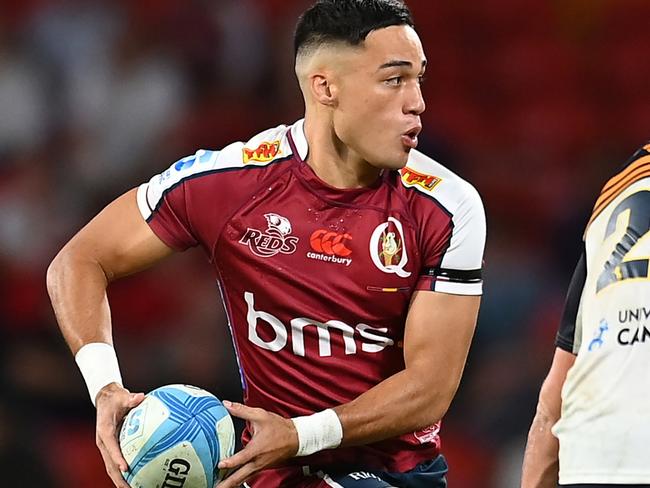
[(116, 243), (540, 468), (541, 464)]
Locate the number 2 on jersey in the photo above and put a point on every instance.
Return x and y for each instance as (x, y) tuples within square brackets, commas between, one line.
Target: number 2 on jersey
[(638, 224)]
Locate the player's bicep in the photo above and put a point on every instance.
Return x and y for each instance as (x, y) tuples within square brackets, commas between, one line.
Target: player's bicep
[(438, 333), (119, 239)]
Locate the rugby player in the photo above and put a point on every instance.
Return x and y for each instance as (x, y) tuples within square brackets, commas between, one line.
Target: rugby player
[(349, 265), (591, 428)]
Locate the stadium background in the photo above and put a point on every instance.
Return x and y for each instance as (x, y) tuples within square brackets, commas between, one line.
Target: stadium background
[(536, 103)]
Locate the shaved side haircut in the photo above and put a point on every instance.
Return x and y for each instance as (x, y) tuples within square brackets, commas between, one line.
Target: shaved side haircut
[(346, 21)]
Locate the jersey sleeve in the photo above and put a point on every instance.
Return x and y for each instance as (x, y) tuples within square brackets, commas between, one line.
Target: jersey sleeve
[(189, 203), (571, 317), (453, 260), (164, 200)]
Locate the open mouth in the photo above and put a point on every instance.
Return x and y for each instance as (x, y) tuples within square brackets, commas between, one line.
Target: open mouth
[(410, 138)]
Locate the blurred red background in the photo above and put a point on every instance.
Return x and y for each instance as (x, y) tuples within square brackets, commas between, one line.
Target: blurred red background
[(536, 103)]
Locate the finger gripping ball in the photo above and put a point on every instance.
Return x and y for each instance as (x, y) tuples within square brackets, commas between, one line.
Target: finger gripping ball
[(175, 438)]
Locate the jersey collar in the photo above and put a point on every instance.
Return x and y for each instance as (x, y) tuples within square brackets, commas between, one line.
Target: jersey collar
[(300, 140)]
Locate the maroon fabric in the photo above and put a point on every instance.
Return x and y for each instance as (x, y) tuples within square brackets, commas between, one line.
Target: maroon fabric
[(290, 250)]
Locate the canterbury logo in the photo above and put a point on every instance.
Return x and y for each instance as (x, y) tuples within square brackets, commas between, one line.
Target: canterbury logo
[(330, 247), (331, 243), (265, 152)]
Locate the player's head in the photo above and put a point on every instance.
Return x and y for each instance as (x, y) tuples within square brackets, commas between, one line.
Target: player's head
[(360, 64)]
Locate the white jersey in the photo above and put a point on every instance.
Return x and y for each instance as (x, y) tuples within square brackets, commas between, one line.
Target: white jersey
[(604, 429)]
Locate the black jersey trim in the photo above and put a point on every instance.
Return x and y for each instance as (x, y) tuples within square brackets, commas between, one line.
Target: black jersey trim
[(454, 275), (565, 338), (146, 200)]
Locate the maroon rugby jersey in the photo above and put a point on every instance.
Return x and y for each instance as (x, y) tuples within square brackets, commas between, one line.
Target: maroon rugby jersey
[(317, 280)]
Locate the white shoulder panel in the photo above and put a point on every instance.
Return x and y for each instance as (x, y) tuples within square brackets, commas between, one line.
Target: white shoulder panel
[(261, 150), (463, 203)]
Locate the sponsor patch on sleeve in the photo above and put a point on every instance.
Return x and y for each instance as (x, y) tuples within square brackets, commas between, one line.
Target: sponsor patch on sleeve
[(264, 153), (410, 178)]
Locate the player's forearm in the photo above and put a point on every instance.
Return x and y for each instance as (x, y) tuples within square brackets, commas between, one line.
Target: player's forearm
[(405, 402), (77, 287), (540, 468)]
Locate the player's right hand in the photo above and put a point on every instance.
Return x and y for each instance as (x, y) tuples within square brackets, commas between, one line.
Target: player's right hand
[(113, 403)]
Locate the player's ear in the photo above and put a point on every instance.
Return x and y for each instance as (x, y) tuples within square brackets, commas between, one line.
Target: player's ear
[(322, 90)]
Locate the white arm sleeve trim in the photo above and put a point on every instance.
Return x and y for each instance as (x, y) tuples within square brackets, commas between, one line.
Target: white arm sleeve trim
[(469, 289), (204, 161), (143, 205), (467, 244)]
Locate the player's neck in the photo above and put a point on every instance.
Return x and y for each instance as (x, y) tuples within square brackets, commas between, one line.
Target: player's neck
[(334, 162)]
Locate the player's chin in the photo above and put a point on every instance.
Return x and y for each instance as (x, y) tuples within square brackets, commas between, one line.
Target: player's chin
[(399, 160), (391, 164), (391, 160)]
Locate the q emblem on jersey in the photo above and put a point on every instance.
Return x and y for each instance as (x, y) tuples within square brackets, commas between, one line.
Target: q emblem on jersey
[(276, 239), (387, 248)]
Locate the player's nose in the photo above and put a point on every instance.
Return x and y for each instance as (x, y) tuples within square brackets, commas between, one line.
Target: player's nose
[(414, 102)]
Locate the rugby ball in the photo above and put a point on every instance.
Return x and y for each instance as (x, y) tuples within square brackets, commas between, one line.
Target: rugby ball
[(175, 438)]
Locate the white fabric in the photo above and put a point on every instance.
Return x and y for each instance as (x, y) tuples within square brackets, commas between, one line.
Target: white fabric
[(98, 364), (461, 200), (328, 480), (203, 161), (322, 430), (604, 430)]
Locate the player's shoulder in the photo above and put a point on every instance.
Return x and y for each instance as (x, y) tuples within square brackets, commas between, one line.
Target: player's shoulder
[(641, 155), (201, 171), (432, 180), (634, 172), (264, 150), (634, 168), (267, 147)]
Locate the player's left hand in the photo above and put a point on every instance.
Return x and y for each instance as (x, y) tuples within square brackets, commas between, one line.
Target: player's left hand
[(274, 439)]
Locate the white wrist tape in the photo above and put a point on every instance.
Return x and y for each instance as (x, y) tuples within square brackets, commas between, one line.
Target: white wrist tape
[(98, 364), (322, 430)]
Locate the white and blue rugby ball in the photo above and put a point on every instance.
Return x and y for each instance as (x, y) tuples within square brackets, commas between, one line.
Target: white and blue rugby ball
[(175, 438)]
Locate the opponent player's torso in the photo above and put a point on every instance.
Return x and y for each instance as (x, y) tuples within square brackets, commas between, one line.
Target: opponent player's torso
[(606, 394)]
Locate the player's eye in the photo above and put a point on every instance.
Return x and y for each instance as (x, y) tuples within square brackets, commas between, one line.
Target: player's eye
[(422, 79), (394, 81)]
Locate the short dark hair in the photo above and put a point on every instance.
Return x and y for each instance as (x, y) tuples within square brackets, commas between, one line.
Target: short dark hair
[(348, 21)]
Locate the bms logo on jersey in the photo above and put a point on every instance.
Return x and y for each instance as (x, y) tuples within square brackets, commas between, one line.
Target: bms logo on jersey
[(276, 239), (276, 333)]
